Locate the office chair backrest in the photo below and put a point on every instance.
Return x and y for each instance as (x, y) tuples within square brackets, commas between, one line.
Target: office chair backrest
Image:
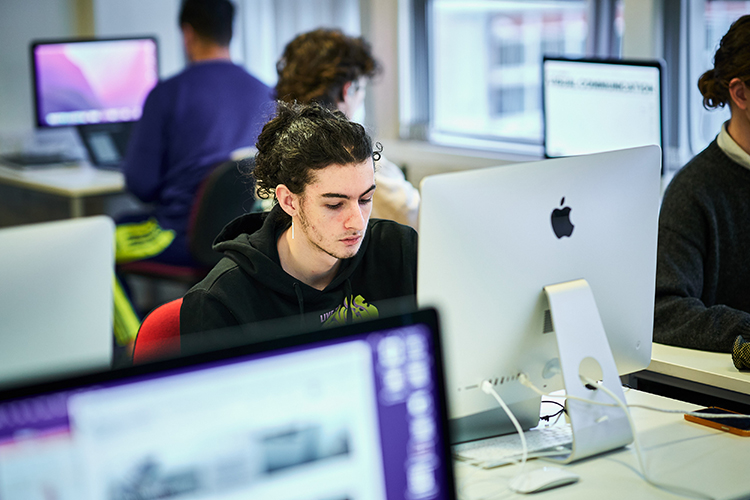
[(159, 334), (225, 194)]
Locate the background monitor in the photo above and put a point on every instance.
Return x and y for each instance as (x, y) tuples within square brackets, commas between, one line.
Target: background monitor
[(349, 412), (97, 85), (484, 266), (596, 105), (56, 298), (84, 82)]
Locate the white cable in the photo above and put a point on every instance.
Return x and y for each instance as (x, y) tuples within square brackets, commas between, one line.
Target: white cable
[(488, 389), (523, 379), (636, 443), (707, 416)]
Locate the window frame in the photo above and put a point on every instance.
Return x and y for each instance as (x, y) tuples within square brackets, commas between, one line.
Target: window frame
[(416, 90), (696, 38)]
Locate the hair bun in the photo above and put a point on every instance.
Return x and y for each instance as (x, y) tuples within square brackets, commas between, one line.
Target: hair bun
[(711, 90)]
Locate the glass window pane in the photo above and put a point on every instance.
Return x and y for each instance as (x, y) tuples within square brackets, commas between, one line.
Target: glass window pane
[(486, 63), (718, 17), (270, 24)]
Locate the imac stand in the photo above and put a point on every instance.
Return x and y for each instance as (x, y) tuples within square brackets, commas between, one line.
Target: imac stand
[(584, 350)]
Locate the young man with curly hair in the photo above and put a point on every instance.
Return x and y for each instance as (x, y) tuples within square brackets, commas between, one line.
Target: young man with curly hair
[(333, 69), (317, 251)]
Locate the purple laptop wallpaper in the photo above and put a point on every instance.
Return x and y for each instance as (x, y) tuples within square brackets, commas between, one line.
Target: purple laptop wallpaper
[(102, 81), (357, 417)]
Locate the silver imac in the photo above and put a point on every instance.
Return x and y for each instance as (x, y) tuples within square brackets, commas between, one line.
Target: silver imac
[(492, 239), (55, 298)]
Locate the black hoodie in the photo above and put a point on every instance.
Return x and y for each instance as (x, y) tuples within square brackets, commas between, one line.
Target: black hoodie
[(248, 285)]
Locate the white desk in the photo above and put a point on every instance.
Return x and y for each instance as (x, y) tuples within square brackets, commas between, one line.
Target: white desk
[(74, 183), (675, 452), (708, 373)]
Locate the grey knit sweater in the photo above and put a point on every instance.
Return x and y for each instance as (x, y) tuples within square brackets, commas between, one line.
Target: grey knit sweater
[(703, 261)]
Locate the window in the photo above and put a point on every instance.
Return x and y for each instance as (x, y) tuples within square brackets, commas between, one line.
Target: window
[(713, 19), (483, 71), (268, 25)]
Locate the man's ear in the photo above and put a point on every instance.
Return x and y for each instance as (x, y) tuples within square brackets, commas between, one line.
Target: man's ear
[(188, 33), (738, 92), (345, 98), (346, 90), (188, 40), (288, 201)]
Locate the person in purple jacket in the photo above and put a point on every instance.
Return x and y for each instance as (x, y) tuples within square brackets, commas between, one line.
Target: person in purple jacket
[(190, 123)]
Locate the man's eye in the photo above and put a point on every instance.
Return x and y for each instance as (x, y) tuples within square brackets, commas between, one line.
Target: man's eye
[(365, 201), (334, 207)]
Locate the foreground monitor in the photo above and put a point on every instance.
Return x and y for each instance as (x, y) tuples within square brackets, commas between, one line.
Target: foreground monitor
[(596, 105), (485, 266), (97, 85), (349, 412)]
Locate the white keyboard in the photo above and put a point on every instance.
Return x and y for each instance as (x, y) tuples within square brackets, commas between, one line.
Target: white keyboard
[(502, 450)]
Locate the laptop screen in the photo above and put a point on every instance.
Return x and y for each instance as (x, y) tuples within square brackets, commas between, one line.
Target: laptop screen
[(347, 413)]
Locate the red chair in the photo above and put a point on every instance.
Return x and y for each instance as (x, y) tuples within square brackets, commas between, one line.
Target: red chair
[(159, 334)]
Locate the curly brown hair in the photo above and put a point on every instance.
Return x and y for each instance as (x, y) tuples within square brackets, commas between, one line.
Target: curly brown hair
[(732, 60), (316, 65), (301, 138)]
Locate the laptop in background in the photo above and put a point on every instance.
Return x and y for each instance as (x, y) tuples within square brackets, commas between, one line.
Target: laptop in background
[(55, 298), (351, 412)]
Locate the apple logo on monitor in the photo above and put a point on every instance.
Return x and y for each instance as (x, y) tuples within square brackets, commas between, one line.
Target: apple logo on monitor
[(561, 224)]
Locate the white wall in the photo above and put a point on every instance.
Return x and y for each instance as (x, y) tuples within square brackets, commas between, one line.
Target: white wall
[(144, 17), (22, 21), (380, 28), (643, 33)]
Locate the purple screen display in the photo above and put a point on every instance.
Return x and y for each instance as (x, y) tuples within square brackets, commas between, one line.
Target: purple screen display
[(408, 394), (103, 81)]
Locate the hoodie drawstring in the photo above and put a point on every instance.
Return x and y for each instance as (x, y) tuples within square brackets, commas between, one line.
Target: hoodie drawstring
[(300, 302), (348, 301)]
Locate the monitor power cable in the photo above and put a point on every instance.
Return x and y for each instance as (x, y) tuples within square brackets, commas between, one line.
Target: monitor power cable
[(488, 389), (523, 379)]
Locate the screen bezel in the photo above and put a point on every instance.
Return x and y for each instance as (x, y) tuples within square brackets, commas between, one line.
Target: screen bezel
[(658, 64), (329, 336), (38, 123)]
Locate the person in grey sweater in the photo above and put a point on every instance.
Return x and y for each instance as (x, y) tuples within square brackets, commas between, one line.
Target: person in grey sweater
[(703, 270)]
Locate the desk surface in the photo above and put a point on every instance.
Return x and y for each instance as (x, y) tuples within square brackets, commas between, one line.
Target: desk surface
[(709, 368), (72, 181), (675, 452)]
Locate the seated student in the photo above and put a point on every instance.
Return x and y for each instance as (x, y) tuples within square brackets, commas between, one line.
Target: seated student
[(317, 250), (702, 277), (190, 123), (332, 69)]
